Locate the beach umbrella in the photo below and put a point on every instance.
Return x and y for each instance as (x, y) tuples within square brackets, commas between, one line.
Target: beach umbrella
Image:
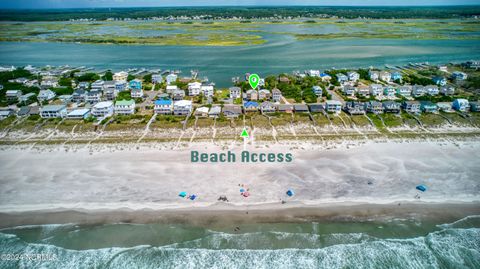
[(421, 188), (182, 194), (246, 194), (290, 193), (192, 197), (242, 190)]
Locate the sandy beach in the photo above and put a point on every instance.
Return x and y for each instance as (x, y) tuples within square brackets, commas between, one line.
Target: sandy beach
[(150, 176)]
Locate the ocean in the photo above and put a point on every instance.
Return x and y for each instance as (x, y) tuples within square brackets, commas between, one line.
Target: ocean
[(394, 243)]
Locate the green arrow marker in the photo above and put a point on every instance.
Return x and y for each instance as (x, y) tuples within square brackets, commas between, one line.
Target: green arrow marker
[(244, 133), (253, 79)]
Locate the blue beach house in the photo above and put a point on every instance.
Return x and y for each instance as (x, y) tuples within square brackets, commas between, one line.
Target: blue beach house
[(396, 75), (250, 106), (135, 84)]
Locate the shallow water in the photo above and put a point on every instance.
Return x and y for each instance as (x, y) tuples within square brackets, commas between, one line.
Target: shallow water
[(370, 244)]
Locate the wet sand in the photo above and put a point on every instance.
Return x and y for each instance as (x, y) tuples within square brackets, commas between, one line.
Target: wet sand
[(224, 215)]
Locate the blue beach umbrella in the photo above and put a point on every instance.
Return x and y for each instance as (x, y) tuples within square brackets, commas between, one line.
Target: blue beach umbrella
[(290, 193), (182, 194), (192, 197), (421, 188), (242, 190)]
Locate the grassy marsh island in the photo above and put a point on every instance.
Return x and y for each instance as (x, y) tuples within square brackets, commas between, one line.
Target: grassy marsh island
[(236, 33)]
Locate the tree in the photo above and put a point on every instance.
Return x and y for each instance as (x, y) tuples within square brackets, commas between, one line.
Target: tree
[(147, 78), (123, 96), (65, 81), (130, 77), (108, 75), (90, 77)]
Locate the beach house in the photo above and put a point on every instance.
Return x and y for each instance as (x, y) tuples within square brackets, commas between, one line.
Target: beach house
[(252, 95), (276, 95), (135, 84), (26, 97), (136, 93), (268, 107), (53, 111), (445, 107), (120, 86), (428, 107), (285, 108), (171, 78), (283, 79), (325, 77), (457, 75), (171, 88), (232, 111), (93, 96), (349, 90), (385, 76), (23, 111), (391, 107), (341, 78), (363, 91), (124, 107), (353, 76), (120, 76), (207, 90), (405, 91), (109, 90), (157, 78), (194, 88), (97, 85), (461, 105), (163, 106), (316, 107), (300, 108), (13, 95), (418, 90), (182, 107), (45, 95), (374, 107), (333, 106), (440, 81), (78, 114), (397, 76), (411, 106), (102, 109), (5, 113), (376, 90), (313, 73), (432, 90), (201, 112), (389, 92), (83, 85), (49, 82), (78, 96), (215, 111), (235, 92), (264, 94), (250, 106), (474, 106), (317, 90), (178, 95), (374, 75), (447, 90), (354, 108)]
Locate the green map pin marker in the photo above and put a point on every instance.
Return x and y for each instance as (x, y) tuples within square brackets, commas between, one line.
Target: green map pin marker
[(253, 79), (244, 133)]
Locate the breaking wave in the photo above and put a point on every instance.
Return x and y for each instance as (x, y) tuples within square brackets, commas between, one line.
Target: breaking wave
[(457, 245)]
